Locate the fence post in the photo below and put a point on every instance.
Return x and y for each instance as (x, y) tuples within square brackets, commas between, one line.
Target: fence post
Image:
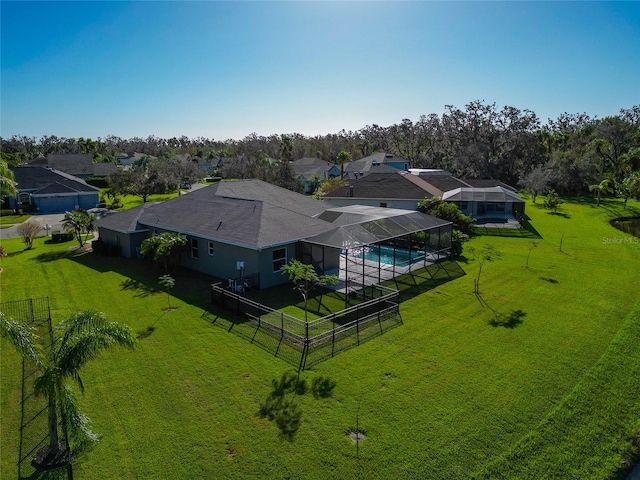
[(333, 334), (281, 325), (358, 324)]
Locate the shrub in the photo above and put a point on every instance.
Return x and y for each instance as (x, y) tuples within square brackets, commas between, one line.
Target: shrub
[(28, 231), (100, 182), (6, 211)]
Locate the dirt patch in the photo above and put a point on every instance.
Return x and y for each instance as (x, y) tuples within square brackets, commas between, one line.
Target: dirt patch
[(357, 436)]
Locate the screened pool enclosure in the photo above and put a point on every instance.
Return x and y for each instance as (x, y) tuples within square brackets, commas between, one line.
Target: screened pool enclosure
[(373, 244)]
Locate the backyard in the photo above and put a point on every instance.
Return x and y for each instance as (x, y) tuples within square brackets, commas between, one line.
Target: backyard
[(535, 377)]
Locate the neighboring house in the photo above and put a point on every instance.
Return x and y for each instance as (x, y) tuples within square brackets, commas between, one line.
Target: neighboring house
[(391, 190), (251, 229), (483, 199), (311, 170), (209, 166), (51, 191), (78, 165), (129, 158), (379, 162)]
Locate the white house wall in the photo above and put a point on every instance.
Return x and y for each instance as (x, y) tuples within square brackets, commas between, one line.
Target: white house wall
[(373, 202)]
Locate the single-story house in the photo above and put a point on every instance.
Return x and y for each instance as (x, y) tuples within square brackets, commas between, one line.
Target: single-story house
[(482, 199), (51, 191), (249, 229), (311, 169)]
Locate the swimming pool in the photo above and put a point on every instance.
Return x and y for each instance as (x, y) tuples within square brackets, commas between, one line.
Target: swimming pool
[(386, 255)]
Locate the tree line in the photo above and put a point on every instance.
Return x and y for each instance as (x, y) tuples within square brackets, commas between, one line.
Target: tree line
[(569, 153)]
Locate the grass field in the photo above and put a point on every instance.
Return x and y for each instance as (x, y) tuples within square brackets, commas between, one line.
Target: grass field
[(537, 378), (13, 219)]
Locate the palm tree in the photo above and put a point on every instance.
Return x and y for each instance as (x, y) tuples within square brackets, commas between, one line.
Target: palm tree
[(343, 157), (75, 341), (81, 222), (603, 187), (7, 182)]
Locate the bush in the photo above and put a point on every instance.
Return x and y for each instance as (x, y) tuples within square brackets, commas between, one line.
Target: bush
[(100, 182), (7, 211), (57, 237)]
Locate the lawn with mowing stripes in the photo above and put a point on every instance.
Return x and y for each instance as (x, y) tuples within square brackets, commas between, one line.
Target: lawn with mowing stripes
[(464, 382)]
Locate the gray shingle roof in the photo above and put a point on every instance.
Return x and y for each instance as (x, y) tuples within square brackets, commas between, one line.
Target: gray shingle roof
[(394, 185), (251, 213), (35, 179)]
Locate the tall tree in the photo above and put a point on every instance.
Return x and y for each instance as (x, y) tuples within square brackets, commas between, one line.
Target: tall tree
[(343, 157), (7, 181), (536, 182)]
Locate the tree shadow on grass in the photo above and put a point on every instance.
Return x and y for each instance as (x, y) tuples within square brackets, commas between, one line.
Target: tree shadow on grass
[(322, 387), (511, 320), (141, 334), (559, 214), (53, 256), (550, 280), (142, 289), (280, 405), (141, 276)]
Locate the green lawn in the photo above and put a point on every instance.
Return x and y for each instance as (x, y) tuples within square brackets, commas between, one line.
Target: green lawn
[(13, 219), (130, 201), (537, 378)]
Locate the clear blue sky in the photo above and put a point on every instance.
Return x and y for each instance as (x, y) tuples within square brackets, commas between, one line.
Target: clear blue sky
[(227, 69)]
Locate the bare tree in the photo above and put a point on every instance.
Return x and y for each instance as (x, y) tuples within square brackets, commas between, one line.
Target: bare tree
[(28, 231)]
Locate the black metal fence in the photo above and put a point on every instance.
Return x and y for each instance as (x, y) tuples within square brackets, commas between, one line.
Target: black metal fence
[(317, 339), (34, 431)]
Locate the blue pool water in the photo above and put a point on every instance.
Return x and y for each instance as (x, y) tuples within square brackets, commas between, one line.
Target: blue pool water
[(386, 255)]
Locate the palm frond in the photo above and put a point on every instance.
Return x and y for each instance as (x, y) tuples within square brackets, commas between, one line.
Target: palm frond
[(74, 351), (21, 337), (76, 422)]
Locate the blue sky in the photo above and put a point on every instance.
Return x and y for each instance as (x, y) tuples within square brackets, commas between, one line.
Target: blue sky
[(227, 69)]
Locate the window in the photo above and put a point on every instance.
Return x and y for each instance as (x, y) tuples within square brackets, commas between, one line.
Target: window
[(23, 198), (279, 259), (210, 248), (464, 205), (383, 204), (194, 247)]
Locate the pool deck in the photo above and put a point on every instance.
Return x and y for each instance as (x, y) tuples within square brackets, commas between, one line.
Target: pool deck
[(353, 277)]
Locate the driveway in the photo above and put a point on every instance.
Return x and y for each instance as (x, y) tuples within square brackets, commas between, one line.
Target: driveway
[(54, 220)]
